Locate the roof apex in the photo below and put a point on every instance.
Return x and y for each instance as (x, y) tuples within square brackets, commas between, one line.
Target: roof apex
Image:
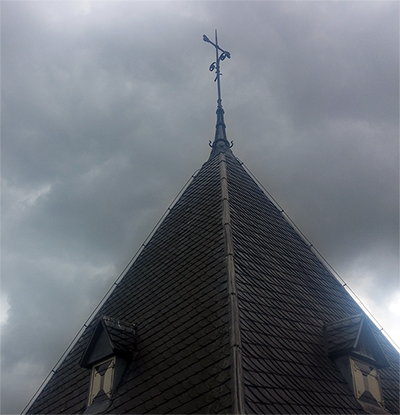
[(220, 144)]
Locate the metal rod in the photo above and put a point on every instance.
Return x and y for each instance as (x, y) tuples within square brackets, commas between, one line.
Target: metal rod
[(219, 101), (216, 65)]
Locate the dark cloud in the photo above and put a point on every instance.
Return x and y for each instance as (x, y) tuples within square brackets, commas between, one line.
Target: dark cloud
[(107, 110)]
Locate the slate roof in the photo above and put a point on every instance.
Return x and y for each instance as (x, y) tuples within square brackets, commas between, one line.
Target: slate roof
[(230, 306)]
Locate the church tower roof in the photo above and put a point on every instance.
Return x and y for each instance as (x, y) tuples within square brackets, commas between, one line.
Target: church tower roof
[(226, 310)]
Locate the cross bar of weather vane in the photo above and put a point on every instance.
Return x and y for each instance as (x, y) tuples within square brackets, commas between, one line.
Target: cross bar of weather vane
[(216, 65)]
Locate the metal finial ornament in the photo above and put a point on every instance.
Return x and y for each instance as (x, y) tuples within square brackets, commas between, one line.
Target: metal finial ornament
[(220, 142), (216, 65)]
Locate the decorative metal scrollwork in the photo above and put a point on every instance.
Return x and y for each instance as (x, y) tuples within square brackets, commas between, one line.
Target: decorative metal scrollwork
[(215, 65)]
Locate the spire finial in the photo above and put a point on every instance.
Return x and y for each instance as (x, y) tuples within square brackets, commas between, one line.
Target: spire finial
[(220, 133)]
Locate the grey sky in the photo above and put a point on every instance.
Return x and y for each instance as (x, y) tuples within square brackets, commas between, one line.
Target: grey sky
[(107, 110)]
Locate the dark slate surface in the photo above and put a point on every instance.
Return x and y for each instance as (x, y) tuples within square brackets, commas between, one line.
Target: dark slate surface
[(285, 297), (176, 292)]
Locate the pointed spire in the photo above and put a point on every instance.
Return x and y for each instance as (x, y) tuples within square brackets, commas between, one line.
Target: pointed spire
[(220, 141)]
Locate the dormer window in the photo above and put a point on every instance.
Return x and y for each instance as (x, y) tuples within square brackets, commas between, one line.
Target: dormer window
[(102, 380), (357, 354), (366, 382), (108, 353)]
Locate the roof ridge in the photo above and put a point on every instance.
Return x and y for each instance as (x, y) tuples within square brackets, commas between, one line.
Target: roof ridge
[(235, 338)]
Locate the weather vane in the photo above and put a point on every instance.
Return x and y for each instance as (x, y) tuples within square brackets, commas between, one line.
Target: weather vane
[(215, 65)]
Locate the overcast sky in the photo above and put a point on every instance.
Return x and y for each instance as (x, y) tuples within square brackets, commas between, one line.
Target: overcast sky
[(108, 108)]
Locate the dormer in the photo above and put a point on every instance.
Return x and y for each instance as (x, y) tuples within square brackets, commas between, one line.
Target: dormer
[(352, 345), (110, 349)]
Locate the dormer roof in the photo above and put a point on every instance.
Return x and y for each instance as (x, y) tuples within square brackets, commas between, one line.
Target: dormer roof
[(110, 337), (353, 336)]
